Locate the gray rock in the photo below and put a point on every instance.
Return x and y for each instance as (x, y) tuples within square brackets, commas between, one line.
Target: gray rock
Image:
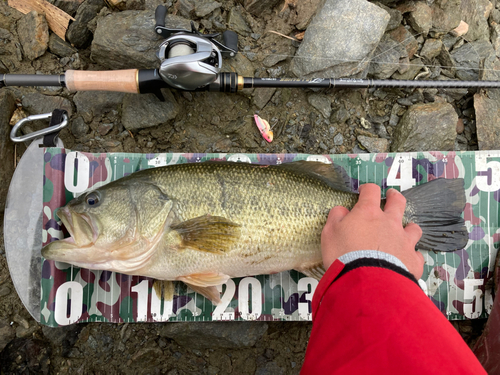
[(215, 334), (468, 57), (4, 290), (69, 6), (7, 108), (240, 64), (96, 104), (273, 59), (305, 11), (144, 111), (204, 8), (385, 60), (338, 139), (446, 60), (412, 70), (495, 16), (495, 37), (406, 39), (449, 41), (36, 103), (78, 33), (396, 16), (111, 145), (446, 15), (487, 107), (394, 118), (262, 96), (420, 18), (185, 8), (355, 28), (59, 47), (125, 39), (257, 7), (374, 145), (426, 127), (237, 23), (105, 128), (431, 48), (33, 32), (322, 103), (475, 13), (79, 128), (200, 8)]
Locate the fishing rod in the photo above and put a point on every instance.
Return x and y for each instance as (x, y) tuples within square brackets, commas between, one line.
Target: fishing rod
[(192, 61)]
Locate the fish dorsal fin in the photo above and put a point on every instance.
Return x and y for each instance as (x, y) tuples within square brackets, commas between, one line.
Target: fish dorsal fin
[(214, 234), (331, 174)]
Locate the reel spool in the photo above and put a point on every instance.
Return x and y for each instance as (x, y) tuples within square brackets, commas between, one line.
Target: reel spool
[(189, 61)]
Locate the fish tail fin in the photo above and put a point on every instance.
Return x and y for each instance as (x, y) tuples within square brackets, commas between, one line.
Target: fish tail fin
[(437, 207)]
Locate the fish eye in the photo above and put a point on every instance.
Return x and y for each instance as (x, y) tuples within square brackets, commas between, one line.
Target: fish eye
[(92, 199)]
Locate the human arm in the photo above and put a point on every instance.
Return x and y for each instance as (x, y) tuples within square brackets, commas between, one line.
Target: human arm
[(370, 315)]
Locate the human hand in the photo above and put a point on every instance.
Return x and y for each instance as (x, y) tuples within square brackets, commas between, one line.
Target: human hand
[(367, 227)]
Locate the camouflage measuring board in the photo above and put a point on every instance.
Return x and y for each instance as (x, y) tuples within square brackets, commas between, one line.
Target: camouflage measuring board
[(456, 282)]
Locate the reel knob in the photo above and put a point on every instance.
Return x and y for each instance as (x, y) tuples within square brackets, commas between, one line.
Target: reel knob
[(189, 61)]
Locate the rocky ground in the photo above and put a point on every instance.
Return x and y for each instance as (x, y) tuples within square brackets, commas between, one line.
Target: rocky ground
[(435, 40)]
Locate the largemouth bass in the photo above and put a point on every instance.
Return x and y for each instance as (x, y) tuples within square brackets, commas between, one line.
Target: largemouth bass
[(204, 223)]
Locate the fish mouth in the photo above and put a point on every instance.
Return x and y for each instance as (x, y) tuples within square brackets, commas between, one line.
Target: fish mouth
[(83, 233), (82, 229)]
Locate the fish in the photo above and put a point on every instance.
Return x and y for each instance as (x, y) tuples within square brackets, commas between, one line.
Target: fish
[(203, 223)]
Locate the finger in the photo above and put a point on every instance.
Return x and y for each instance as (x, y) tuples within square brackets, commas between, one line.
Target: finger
[(369, 196), (395, 204), (336, 214), (414, 232)]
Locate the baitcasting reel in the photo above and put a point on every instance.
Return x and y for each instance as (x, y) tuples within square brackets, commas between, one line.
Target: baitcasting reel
[(190, 60)]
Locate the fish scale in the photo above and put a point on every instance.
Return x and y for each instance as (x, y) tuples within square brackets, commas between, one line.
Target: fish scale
[(289, 229)]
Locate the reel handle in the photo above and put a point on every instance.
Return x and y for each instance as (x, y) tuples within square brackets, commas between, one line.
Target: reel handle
[(160, 14), (230, 39)]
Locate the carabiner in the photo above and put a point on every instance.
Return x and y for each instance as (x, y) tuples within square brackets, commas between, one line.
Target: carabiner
[(38, 133)]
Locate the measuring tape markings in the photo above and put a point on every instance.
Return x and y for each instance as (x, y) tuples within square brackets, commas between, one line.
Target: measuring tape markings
[(117, 303)]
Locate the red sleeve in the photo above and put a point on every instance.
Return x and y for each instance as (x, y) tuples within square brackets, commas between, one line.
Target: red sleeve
[(375, 320)]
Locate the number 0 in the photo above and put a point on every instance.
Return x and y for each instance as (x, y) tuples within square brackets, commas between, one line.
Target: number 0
[(61, 303)]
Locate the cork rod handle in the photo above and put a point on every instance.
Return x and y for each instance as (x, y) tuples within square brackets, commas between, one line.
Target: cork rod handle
[(109, 80)]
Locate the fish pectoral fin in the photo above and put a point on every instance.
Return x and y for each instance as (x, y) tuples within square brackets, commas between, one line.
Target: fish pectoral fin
[(164, 289), (214, 234), (316, 271), (210, 292)]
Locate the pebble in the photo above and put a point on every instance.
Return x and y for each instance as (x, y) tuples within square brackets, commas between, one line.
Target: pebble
[(460, 126), (4, 290), (460, 30), (338, 139), (79, 128)]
